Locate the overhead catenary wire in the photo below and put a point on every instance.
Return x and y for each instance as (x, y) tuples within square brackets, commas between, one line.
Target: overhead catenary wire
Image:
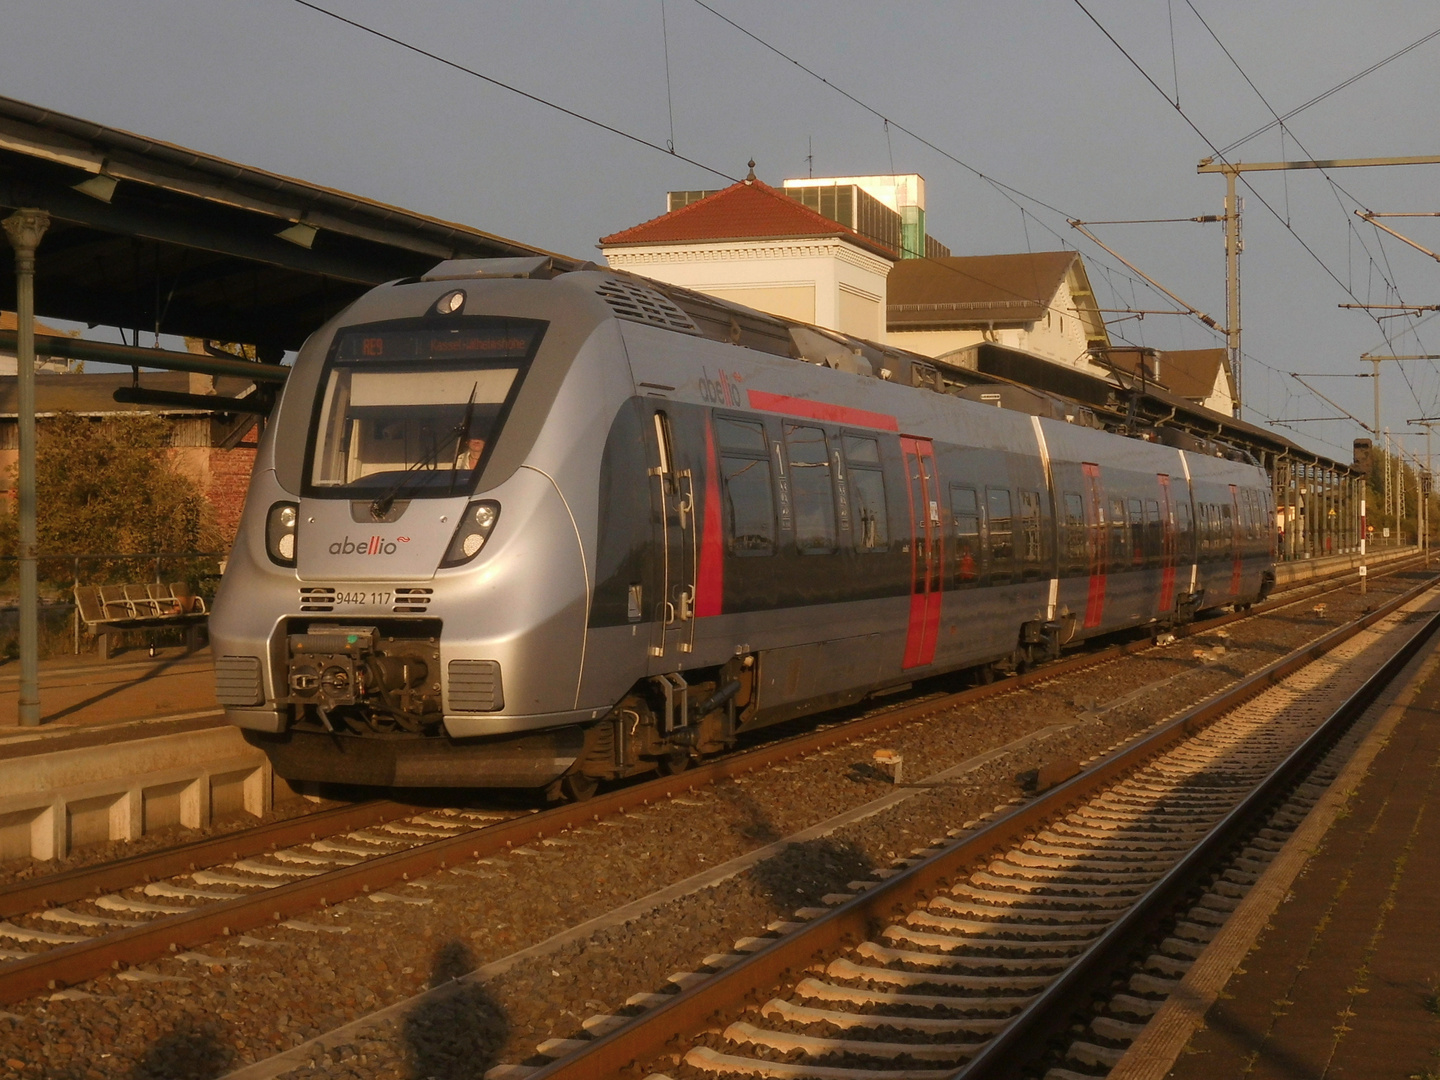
[(536, 98), (1279, 120), (1008, 191), (668, 151), (1336, 187), (1217, 153)]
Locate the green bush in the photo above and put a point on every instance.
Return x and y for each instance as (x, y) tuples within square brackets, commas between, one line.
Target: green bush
[(104, 487)]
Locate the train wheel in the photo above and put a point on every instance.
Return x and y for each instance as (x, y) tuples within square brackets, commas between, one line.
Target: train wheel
[(672, 763), (577, 787)]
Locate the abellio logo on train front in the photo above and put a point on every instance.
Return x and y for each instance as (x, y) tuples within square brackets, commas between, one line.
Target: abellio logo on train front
[(376, 545)]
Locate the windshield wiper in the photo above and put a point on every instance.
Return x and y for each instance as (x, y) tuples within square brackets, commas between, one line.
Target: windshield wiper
[(381, 506), (462, 444)]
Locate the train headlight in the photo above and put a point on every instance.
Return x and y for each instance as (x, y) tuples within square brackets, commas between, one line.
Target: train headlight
[(470, 536), (280, 533)]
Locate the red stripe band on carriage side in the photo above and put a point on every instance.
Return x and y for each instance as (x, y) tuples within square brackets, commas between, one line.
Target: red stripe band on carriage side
[(710, 583), (820, 410)]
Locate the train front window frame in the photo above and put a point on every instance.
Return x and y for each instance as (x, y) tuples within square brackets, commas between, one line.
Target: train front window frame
[(415, 406)]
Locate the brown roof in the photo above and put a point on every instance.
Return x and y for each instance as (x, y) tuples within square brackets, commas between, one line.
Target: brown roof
[(1187, 373), (749, 210), (1191, 372), (974, 290)]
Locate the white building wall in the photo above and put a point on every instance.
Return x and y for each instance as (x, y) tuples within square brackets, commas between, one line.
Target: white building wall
[(1220, 400), (828, 282)]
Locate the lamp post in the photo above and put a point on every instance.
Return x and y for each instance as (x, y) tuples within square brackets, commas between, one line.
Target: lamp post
[(24, 229)]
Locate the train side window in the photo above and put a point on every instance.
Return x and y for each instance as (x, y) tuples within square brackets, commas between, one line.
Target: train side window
[(741, 435), (749, 493), (867, 494), (1074, 539), (965, 506), (811, 489), (861, 450), (1119, 537), (1182, 528), (1137, 532), (1031, 563), (1154, 537), (1227, 529), (1002, 534)]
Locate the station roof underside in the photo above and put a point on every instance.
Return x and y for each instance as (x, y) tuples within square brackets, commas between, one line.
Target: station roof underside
[(186, 243)]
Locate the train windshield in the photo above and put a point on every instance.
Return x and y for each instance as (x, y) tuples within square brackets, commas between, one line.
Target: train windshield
[(413, 409)]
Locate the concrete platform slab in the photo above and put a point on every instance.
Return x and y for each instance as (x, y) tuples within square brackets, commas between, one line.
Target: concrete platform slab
[(1330, 967)]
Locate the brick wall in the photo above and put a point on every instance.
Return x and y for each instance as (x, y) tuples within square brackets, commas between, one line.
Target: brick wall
[(229, 481)]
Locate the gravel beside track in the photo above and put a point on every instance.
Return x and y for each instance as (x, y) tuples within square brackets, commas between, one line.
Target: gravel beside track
[(245, 998)]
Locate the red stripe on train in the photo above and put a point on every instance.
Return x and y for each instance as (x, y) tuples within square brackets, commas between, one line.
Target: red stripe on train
[(710, 583), (1095, 601), (820, 410)]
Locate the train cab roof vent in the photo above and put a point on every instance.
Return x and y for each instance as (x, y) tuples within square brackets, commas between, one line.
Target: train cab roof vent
[(634, 302), (530, 266)]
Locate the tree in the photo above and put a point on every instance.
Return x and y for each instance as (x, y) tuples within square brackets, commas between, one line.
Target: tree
[(107, 486)]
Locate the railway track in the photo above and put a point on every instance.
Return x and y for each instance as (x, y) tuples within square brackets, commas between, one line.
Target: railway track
[(90, 920), (975, 959)]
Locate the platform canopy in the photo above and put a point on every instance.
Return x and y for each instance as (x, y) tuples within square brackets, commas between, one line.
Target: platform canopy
[(150, 236)]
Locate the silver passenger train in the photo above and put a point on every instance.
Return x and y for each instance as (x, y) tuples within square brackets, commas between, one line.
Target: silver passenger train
[(516, 527)]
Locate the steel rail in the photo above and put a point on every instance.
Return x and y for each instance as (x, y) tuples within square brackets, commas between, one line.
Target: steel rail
[(661, 1030), (1022, 1041), (70, 964), (84, 881)]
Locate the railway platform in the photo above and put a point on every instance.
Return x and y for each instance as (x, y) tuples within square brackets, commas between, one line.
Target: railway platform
[(126, 748), (86, 691), (1332, 967)]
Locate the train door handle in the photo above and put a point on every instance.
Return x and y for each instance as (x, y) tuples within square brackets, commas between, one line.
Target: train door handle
[(669, 613), (686, 609)]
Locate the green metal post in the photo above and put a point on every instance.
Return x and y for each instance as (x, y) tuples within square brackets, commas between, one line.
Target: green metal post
[(25, 228)]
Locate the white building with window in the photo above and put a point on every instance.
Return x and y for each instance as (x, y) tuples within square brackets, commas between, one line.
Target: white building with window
[(757, 245)]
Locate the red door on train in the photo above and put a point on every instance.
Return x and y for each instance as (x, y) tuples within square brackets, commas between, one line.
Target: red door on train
[(927, 551)]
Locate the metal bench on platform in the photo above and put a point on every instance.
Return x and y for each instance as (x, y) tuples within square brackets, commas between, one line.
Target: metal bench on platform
[(108, 609)]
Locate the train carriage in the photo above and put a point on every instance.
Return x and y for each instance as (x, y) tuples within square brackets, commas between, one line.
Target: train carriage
[(524, 529)]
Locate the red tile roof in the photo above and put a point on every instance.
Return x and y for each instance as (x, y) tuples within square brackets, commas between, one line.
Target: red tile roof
[(745, 211)]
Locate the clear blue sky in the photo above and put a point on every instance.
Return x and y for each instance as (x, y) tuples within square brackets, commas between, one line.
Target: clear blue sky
[(1029, 93)]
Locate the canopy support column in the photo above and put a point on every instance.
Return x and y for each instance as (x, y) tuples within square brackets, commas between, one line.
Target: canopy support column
[(25, 228)]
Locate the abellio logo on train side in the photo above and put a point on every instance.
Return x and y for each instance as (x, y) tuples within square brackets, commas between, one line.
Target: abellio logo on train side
[(721, 391), (376, 545)]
